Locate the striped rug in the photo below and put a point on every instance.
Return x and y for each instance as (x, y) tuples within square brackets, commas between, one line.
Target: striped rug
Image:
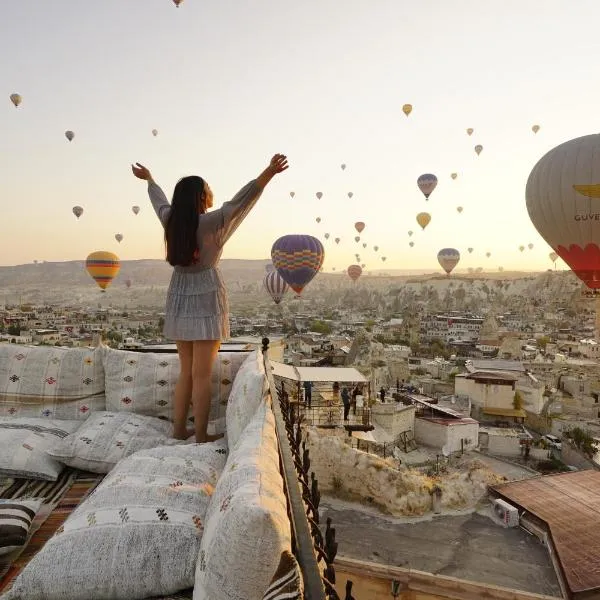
[(61, 498)]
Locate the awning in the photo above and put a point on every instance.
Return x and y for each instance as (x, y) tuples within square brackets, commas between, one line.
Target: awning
[(318, 374), (505, 412)]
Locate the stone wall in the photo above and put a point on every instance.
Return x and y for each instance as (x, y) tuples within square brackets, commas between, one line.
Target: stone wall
[(393, 417)]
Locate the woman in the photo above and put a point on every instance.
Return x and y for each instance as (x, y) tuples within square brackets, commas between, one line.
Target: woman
[(197, 310)]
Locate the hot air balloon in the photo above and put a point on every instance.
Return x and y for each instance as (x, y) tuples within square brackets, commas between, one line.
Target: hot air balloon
[(410, 234), (563, 192), (359, 226), (326, 236), (411, 244), (521, 248), (337, 240), (423, 219), (478, 149), (470, 250), (275, 285), (384, 258), (470, 131), (350, 194), (15, 99), (318, 219), (119, 237), (535, 128), (297, 259), (363, 265), (343, 167), (135, 209), (488, 254), (103, 267), (128, 283), (69, 135), (459, 209), (354, 272), (530, 246), (553, 256), (292, 194), (364, 244), (177, 2), (427, 183), (77, 211), (357, 239), (454, 175), (319, 195), (407, 109), (448, 259), (155, 132), (375, 248)]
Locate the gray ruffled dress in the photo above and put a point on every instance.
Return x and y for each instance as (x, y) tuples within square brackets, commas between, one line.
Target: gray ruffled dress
[(197, 307)]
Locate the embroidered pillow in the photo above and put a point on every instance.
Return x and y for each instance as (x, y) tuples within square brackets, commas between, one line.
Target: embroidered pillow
[(137, 536), (24, 443), (16, 517), (107, 437), (51, 382)]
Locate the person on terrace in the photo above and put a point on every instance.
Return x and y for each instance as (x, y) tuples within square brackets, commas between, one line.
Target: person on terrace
[(197, 308)]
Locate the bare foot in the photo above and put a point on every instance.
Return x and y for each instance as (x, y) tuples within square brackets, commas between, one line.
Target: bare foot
[(184, 436), (210, 438)]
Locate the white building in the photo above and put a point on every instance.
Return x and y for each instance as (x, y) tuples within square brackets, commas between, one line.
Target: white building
[(451, 328)]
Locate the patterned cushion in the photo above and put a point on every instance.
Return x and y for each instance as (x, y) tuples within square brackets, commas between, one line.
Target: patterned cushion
[(287, 582), (24, 443), (144, 383), (51, 382), (15, 521), (136, 536), (246, 519), (249, 389), (107, 437)]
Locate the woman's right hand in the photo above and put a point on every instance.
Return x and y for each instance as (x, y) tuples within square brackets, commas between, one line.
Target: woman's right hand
[(141, 172), (278, 164)]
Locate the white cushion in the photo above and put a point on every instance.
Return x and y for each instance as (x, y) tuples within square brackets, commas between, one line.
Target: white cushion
[(249, 389), (137, 536), (16, 517), (107, 437), (51, 382), (24, 443), (144, 383), (247, 527)]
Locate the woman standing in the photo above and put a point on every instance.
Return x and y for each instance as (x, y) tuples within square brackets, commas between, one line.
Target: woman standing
[(197, 309)]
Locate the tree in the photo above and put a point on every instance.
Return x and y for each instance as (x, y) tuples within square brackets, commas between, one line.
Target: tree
[(14, 330), (320, 327), (583, 441), (517, 401)]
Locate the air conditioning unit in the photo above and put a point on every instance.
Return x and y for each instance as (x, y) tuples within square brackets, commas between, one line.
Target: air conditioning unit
[(508, 514)]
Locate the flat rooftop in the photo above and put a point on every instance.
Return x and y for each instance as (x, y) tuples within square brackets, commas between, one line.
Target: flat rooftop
[(470, 547), (569, 504)]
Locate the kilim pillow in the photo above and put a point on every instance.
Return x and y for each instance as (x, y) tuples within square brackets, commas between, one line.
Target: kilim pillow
[(246, 519), (137, 536), (249, 389), (16, 517), (287, 582), (107, 437), (144, 383), (24, 443), (51, 382)]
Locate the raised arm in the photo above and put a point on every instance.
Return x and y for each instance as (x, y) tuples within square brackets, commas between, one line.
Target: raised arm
[(157, 196)]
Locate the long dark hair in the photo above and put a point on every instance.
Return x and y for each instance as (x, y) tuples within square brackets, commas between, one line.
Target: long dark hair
[(180, 232)]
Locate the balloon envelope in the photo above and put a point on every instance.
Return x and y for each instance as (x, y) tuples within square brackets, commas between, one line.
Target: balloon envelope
[(470, 131), (275, 285), (478, 149), (77, 211), (337, 240), (469, 250), (535, 128), (297, 259), (354, 272), (359, 226), (135, 209), (319, 195), (427, 183), (448, 259), (454, 175), (103, 267), (423, 219), (119, 237), (407, 109), (562, 195), (155, 132), (15, 99), (69, 135)]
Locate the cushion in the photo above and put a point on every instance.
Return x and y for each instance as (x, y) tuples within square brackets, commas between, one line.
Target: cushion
[(136, 536), (249, 389), (23, 446), (51, 382), (287, 582), (247, 517), (144, 383), (16, 517), (106, 437)]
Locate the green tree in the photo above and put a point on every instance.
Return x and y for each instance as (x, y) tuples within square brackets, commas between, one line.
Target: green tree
[(14, 330), (320, 327)]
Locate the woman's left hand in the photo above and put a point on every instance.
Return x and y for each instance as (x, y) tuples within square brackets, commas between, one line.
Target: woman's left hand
[(141, 172), (279, 163)]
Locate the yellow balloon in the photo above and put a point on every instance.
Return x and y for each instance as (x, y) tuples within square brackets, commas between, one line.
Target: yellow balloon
[(454, 175), (423, 219), (470, 131), (103, 267), (407, 109), (15, 99)]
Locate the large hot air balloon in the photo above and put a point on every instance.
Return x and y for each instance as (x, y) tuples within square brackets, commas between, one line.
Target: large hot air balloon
[(563, 201), (359, 226), (354, 272), (69, 135), (407, 109), (297, 259), (15, 99), (470, 131), (155, 132), (553, 256), (119, 237), (448, 259), (478, 149), (77, 211), (103, 267), (535, 128), (275, 285), (135, 209), (423, 219), (427, 183)]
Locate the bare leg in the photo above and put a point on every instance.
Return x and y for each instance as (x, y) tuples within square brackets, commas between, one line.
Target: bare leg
[(183, 391), (205, 353)]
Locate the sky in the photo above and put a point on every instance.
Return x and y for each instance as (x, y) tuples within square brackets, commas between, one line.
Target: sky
[(229, 83)]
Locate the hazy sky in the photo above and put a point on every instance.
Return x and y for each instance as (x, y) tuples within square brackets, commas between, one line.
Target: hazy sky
[(228, 83)]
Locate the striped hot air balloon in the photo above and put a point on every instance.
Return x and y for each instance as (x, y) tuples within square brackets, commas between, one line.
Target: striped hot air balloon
[(103, 267), (448, 259), (275, 285), (427, 183), (297, 258), (354, 272)]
